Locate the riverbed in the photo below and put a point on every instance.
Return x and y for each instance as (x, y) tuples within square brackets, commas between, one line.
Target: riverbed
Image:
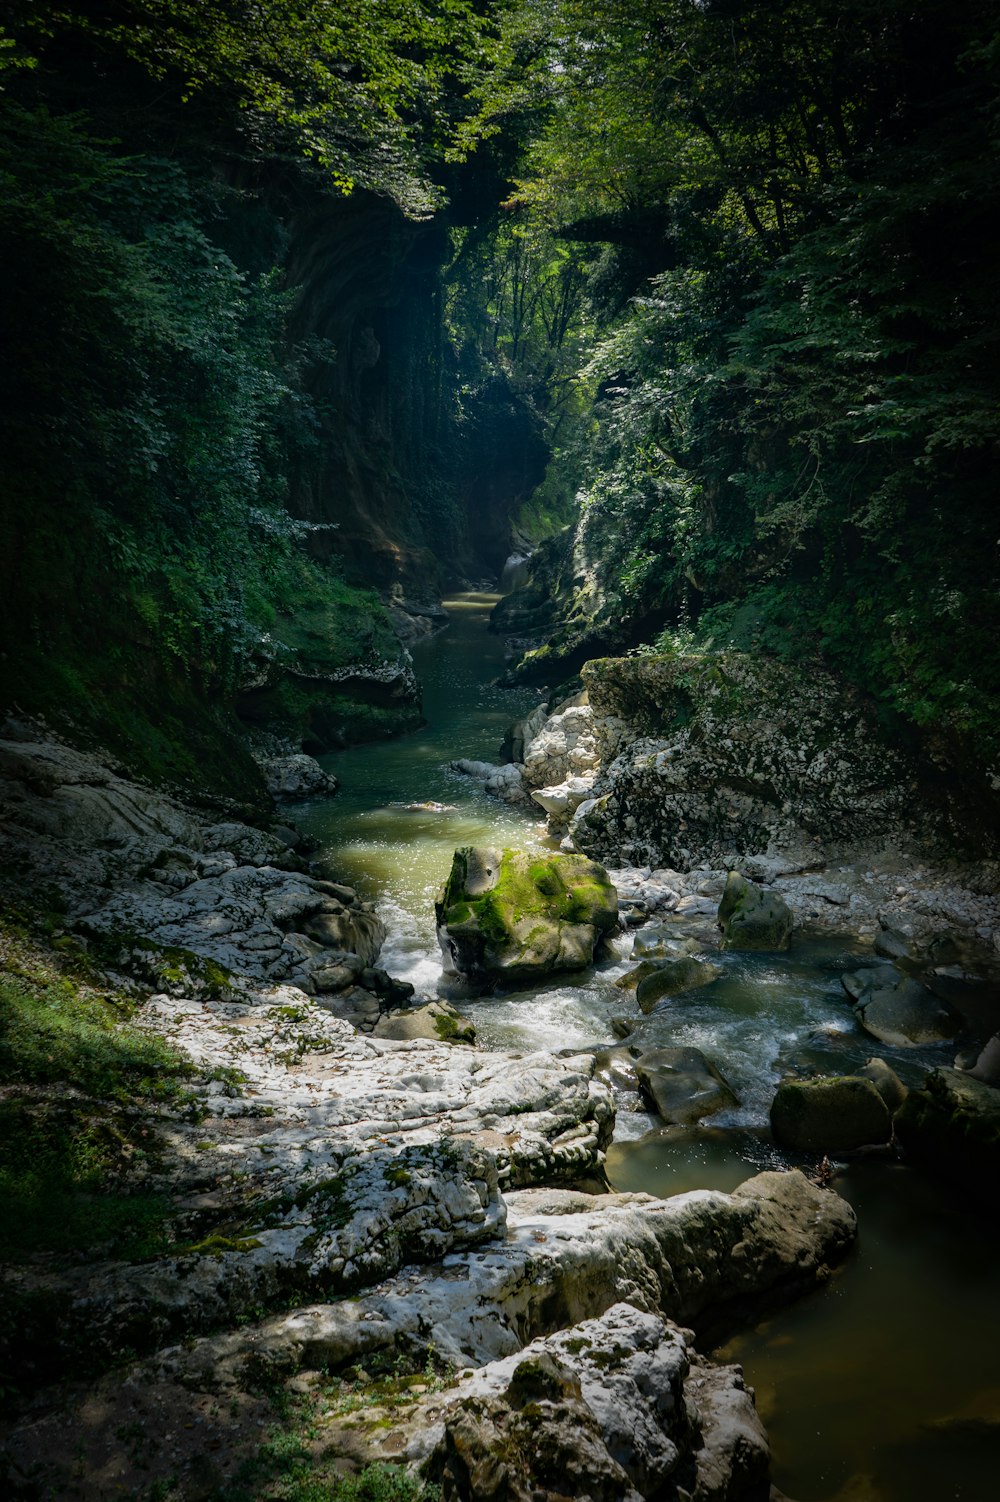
[(881, 1388)]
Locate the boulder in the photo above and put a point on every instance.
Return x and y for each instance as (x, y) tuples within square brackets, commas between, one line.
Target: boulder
[(751, 918), (857, 982), (832, 1115), (659, 941), (953, 1126), (673, 978), (886, 1081), (906, 1014), (296, 776), (682, 1085), (614, 1409), (515, 916), (436, 1020)]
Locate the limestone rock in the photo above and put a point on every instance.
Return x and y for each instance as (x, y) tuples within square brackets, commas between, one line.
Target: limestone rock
[(752, 918), (509, 915), (436, 1020), (296, 776), (565, 746), (831, 1115), (703, 755), (569, 1257), (612, 1409), (682, 1085), (673, 978)]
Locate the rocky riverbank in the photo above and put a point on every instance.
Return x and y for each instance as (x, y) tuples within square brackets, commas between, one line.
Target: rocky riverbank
[(330, 1199)]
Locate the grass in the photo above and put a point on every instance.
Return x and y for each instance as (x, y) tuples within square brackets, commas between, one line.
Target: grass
[(81, 1090)]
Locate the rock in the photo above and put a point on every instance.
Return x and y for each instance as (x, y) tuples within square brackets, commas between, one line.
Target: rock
[(886, 1081), (436, 1020), (661, 941), (568, 1256), (562, 800), (751, 918), (987, 1065), (509, 915), (707, 754), (521, 733), (682, 1085), (831, 1115), (857, 982), (905, 1014), (504, 782), (953, 1126), (673, 978), (296, 776), (614, 1409), (895, 946), (565, 746)]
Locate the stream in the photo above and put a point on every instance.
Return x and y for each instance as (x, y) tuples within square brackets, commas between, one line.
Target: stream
[(882, 1387)]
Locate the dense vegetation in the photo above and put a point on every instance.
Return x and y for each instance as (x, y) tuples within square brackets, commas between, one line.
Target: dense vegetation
[(794, 428), (296, 299)]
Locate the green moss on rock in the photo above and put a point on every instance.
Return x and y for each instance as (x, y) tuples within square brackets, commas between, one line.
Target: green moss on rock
[(514, 916)]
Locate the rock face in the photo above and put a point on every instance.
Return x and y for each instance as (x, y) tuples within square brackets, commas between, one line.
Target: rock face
[(751, 918), (830, 1115), (701, 756), (510, 916)]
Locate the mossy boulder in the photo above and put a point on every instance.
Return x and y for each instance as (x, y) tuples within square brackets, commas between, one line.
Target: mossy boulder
[(952, 1125), (510, 915), (832, 1115), (751, 918)]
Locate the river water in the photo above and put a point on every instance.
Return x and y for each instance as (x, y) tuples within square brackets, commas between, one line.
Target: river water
[(885, 1385)]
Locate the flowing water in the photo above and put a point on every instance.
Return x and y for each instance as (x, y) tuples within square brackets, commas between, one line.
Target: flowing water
[(883, 1387)]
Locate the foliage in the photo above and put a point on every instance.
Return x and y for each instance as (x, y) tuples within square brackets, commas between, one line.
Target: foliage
[(362, 88), (796, 412), (77, 1122)]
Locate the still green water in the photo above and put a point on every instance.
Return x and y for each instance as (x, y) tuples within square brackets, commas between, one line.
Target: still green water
[(883, 1387)]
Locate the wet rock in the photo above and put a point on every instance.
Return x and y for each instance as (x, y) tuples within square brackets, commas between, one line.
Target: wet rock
[(987, 1065), (503, 782), (661, 941), (892, 945), (509, 915), (953, 1126), (886, 1081), (857, 982), (436, 1020), (829, 1115), (905, 1014), (674, 978), (751, 918), (682, 1085)]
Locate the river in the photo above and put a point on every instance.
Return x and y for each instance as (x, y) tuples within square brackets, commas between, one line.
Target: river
[(882, 1387)]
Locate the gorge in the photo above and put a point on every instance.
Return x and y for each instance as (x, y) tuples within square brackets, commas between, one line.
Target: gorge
[(650, 1153)]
